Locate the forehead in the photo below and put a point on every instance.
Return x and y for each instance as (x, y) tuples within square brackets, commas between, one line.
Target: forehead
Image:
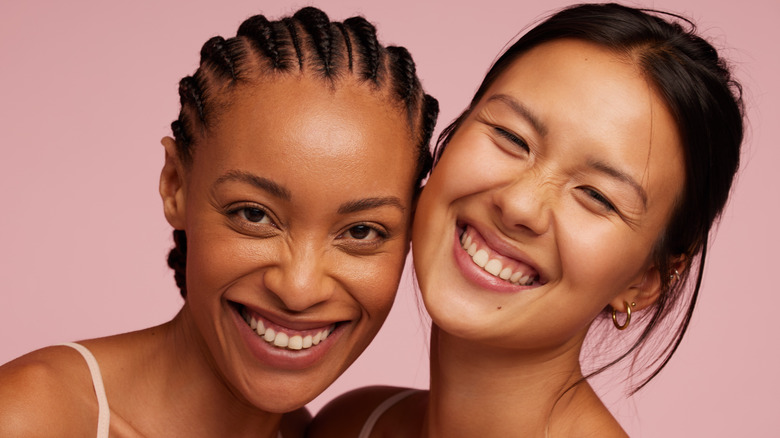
[(294, 108), (296, 128), (595, 84)]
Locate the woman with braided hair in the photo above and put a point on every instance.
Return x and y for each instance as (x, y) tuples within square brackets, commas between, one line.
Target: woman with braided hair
[(290, 181), (573, 198)]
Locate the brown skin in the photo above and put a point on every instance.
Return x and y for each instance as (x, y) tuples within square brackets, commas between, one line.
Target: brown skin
[(49, 393), (559, 194), (305, 262)]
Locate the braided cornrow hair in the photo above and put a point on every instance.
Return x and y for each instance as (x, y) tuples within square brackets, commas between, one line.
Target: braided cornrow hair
[(306, 43)]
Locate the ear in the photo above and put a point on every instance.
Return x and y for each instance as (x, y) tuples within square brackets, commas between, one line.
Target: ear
[(645, 292), (172, 185)]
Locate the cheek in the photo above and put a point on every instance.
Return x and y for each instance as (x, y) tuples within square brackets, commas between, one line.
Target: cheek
[(457, 172), (614, 258), (372, 281), (205, 264), (216, 259)]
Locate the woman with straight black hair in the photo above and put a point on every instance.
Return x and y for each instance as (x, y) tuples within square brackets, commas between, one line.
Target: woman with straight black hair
[(573, 199)]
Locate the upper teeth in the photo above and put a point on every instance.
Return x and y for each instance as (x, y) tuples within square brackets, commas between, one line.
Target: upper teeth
[(282, 339), (481, 258)]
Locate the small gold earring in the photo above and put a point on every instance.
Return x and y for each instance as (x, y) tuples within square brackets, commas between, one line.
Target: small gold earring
[(628, 317)]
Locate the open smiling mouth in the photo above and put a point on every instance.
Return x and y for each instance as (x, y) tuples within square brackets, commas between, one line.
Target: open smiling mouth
[(284, 338), (505, 268)]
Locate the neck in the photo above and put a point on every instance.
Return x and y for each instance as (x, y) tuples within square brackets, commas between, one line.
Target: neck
[(505, 392), (178, 388)]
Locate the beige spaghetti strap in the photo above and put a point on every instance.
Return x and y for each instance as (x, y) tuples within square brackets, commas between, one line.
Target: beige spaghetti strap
[(104, 414), (365, 432)]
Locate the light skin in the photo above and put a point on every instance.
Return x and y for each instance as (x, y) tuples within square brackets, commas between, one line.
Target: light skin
[(297, 207), (566, 172)]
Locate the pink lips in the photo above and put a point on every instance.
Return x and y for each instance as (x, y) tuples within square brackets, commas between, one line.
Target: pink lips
[(284, 358), (476, 275)]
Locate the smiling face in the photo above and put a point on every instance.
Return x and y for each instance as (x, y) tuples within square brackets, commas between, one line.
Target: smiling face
[(297, 208), (558, 184)]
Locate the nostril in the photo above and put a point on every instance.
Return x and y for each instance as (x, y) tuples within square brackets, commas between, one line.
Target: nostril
[(525, 228), (522, 220)]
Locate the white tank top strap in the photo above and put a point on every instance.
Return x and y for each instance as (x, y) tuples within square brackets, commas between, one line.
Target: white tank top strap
[(104, 415), (365, 432)]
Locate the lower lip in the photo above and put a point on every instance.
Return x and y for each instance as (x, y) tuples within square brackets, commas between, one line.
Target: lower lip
[(477, 275), (284, 358)]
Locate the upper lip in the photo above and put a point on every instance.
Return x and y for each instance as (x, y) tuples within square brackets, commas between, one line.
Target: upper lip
[(498, 243), (301, 323)]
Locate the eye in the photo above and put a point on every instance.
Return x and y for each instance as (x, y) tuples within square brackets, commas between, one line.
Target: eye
[(363, 238), (598, 198), (517, 141), (364, 232), (251, 219), (254, 215)]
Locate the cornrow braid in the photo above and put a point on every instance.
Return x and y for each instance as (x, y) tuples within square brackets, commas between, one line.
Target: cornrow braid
[(306, 43), (347, 42), (290, 25), (177, 260), (183, 141), (317, 25), (405, 83), (257, 30), (262, 35), (190, 95), (215, 54), (368, 47), (430, 112)]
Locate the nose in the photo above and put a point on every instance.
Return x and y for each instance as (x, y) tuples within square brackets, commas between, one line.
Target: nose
[(299, 280), (524, 203)]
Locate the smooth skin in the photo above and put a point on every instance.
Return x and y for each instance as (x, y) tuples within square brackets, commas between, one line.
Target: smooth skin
[(297, 207), (567, 169)]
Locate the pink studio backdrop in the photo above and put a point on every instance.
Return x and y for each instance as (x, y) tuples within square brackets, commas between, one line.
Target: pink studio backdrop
[(88, 88)]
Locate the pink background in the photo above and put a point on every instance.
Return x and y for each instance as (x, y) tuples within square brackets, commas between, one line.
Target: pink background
[(88, 88)]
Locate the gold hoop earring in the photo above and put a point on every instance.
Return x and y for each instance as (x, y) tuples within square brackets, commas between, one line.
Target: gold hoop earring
[(628, 317)]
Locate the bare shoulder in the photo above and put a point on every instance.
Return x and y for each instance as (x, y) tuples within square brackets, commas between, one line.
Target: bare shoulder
[(602, 425), (345, 415), (47, 393), (592, 419)]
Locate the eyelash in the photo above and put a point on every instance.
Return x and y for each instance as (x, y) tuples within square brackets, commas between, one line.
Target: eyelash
[(380, 233), (355, 244), (598, 197), (239, 215), (512, 137)]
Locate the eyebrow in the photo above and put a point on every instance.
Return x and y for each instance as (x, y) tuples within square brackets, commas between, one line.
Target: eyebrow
[(265, 184), (283, 193), (605, 168), (369, 203), (521, 110)]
